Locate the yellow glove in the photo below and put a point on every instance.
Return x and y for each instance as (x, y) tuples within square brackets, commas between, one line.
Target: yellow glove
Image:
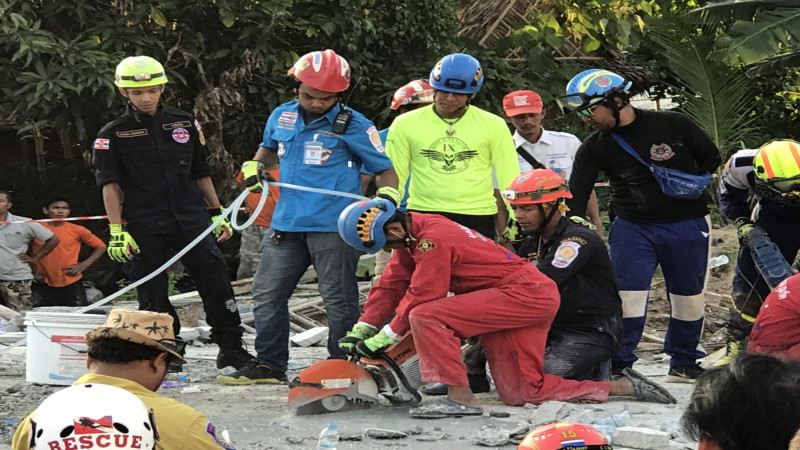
[(224, 225), (121, 246)]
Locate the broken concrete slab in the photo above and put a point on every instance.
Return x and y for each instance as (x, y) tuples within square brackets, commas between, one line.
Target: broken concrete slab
[(310, 337), (641, 438)]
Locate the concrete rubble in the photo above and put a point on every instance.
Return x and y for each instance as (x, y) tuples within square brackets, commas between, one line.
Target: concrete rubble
[(257, 417)]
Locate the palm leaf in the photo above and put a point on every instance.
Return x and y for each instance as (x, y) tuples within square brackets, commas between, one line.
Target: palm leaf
[(761, 28), (715, 95)]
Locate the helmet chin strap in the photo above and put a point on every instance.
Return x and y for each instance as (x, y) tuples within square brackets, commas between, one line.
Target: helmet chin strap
[(615, 108), (540, 229), (405, 239)]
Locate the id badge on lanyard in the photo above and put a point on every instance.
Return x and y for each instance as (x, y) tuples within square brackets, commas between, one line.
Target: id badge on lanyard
[(312, 152)]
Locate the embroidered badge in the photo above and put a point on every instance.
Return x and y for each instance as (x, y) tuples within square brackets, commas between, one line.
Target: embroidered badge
[(211, 430), (201, 136), (425, 245), (375, 139), (566, 253), (180, 135), (100, 144), (661, 152), (326, 154), (288, 117), (281, 149)]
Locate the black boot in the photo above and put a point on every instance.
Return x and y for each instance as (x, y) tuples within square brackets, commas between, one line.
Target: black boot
[(231, 347)]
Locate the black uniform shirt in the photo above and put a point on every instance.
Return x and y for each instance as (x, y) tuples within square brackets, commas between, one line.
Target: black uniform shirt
[(156, 160), (576, 258), (662, 138)]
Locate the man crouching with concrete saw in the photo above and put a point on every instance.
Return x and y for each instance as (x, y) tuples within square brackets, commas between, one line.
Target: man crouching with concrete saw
[(499, 297)]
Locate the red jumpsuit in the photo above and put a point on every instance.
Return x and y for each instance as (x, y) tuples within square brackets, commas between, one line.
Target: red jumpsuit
[(499, 297), (776, 330)]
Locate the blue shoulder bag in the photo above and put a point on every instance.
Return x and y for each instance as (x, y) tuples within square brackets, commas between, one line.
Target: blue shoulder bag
[(673, 183)]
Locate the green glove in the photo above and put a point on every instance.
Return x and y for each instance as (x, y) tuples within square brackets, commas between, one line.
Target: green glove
[(121, 247), (745, 226), (374, 345), (225, 224), (389, 193), (359, 332), (253, 172), (510, 233)]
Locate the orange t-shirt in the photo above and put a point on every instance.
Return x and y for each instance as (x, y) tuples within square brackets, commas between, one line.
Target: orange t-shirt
[(265, 217), (65, 254)]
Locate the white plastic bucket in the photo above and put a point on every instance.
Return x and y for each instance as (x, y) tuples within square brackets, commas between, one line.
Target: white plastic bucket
[(56, 352)]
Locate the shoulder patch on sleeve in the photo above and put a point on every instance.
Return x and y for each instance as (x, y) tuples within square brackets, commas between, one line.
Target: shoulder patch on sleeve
[(211, 430), (375, 138), (425, 245), (566, 253), (100, 144), (201, 136)]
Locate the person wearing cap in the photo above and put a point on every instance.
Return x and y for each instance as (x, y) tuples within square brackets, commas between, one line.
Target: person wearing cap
[(319, 143), (587, 331), (538, 148), (132, 351), (158, 195), (651, 228)]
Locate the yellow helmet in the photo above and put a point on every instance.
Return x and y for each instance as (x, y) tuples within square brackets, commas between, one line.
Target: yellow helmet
[(777, 167), (139, 72)]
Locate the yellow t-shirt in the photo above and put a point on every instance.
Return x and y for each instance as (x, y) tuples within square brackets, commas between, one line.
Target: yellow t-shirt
[(180, 426), (452, 172)]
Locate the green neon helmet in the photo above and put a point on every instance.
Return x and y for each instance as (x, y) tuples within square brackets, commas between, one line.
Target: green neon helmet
[(139, 72)]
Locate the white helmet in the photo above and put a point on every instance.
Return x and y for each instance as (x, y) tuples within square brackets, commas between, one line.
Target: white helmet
[(92, 416)]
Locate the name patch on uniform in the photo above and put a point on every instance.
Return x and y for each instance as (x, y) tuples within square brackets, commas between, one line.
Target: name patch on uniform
[(577, 239), (566, 253), (425, 245), (200, 136), (375, 139), (173, 125), (132, 133), (100, 144), (211, 430), (180, 135)]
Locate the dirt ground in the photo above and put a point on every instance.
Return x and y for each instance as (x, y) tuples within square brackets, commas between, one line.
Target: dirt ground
[(257, 417)]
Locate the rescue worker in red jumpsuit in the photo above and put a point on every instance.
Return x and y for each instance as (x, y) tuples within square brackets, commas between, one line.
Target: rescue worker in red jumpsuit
[(776, 330), (499, 297)]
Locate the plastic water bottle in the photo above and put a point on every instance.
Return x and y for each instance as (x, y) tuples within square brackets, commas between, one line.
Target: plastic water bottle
[(328, 438), (606, 425), (718, 261)]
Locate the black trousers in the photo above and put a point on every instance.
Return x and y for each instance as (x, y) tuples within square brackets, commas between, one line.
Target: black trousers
[(205, 265), (70, 295)]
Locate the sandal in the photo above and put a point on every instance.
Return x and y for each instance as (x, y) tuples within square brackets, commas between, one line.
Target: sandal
[(444, 407)]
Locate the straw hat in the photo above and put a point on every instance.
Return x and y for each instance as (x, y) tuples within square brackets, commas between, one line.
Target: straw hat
[(141, 327)]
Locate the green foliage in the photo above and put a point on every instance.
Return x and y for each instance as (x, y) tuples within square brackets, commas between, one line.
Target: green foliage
[(759, 29), (712, 93)]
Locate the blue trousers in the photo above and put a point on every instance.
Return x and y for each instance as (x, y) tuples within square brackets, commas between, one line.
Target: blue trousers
[(682, 249), (281, 266)]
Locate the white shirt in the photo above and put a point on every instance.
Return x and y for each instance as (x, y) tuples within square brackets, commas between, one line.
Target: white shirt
[(555, 149)]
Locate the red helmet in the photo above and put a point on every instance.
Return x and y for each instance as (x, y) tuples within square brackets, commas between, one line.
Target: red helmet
[(415, 92), (323, 70), (565, 435), (536, 186)]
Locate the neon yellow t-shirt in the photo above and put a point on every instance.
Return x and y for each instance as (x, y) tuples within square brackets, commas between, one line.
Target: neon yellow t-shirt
[(452, 173)]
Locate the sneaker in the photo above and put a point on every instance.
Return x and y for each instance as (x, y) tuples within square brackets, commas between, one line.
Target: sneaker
[(253, 373), (683, 374), (238, 358), (733, 348)]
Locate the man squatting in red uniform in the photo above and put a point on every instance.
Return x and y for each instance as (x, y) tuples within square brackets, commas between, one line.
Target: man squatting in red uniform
[(499, 297)]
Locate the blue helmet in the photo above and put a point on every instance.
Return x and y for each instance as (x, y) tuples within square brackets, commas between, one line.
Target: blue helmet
[(591, 87), (457, 72), (361, 224)]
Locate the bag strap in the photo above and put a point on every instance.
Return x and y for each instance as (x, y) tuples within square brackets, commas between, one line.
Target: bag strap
[(624, 144), (529, 158)]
